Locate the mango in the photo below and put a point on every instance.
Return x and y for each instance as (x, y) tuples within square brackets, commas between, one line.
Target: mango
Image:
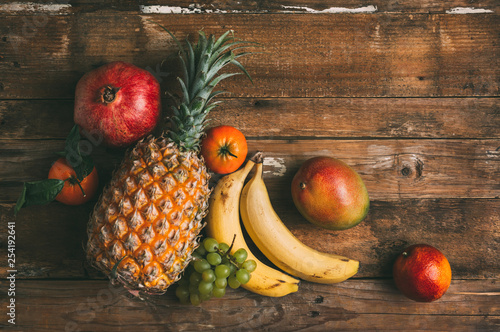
[(330, 194)]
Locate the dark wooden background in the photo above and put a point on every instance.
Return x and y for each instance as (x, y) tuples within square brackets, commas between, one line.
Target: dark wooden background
[(406, 92)]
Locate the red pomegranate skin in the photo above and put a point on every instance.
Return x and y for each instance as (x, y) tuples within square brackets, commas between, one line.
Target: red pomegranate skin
[(119, 102), (330, 194)]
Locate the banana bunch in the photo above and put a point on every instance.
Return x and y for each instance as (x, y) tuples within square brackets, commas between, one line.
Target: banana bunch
[(272, 237), (280, 246), (223, 224)]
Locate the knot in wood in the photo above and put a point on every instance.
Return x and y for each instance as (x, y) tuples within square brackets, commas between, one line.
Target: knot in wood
[(406, 171)]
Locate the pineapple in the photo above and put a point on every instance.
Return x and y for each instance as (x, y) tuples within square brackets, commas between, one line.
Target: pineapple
[(147, 222)]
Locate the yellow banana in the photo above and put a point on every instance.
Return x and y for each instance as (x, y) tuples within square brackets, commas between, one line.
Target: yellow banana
[(223, 224), (282, 248)]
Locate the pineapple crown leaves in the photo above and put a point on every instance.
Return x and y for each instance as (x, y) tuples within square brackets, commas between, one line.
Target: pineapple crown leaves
[(201, 64)]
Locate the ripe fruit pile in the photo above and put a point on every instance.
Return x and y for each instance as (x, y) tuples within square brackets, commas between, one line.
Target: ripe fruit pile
[(230, 197), (212, 270), (148, 218), (144, 230)]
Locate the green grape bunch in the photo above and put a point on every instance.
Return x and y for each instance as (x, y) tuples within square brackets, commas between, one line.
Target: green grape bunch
[(212, 269)]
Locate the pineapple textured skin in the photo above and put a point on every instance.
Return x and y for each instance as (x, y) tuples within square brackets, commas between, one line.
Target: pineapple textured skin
[(146, 224)]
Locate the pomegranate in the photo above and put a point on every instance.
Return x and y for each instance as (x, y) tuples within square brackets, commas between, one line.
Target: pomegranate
[(118, 102)]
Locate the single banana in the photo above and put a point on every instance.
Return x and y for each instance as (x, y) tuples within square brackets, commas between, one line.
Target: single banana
[(223, 224), (282, 248)]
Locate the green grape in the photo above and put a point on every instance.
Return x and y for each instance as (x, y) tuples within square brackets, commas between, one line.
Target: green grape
[(233, 282), (205, 297), (220, 283), (184, 281), (222, 271), (193, 288), (195, 299), (205, 287), (195, 278), (201, 250), (208, 275), (210, 244), (240, 255), (224, 247), (182, 291), (249, 265), (212, 269), (214, 258), (243, 276), (219, 292), (201, 265), (197, 256), (232, 268)]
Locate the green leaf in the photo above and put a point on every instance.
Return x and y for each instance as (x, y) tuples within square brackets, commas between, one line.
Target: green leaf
[(221, 50), (114, 273), (184, 90), (38, 193), (187, 77), (82, 164), (221, 77), (223, 39), (240, 66)]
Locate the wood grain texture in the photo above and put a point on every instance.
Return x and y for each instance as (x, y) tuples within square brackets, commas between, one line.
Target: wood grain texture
[(231, 6), (294, 117), (404, 92), (50, 239), (306, 55), (391, 169), (354, 305)]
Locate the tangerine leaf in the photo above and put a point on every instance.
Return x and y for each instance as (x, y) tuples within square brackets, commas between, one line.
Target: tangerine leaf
[(38, 193)]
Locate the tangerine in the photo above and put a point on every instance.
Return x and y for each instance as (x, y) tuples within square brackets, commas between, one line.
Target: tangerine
[(74, 192), (224, 149)]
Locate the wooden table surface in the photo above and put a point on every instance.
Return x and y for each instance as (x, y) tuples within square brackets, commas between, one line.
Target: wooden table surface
[(406, 92)]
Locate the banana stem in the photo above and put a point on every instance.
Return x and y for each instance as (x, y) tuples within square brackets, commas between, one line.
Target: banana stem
[(258, 158)]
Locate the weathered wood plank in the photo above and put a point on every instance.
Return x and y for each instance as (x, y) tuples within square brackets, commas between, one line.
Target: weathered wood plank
[(305, 6), (362, 55), (50, 239), (295, 117), (391, 169), (394, 169), (354, 305)]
